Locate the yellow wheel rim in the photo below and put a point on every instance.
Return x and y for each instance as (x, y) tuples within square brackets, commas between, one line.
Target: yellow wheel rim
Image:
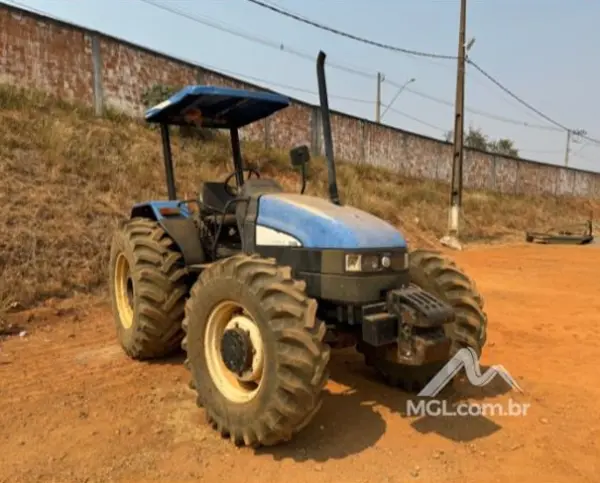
[(123, 284), (238, 388)]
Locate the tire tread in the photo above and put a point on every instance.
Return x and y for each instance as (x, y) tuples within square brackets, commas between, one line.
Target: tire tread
[(301, 355)]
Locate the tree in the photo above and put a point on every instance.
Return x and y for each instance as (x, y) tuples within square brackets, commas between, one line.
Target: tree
[(476, 139), (503, 146)]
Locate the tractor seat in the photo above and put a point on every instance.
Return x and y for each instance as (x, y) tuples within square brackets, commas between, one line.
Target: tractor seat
[(215, 197)]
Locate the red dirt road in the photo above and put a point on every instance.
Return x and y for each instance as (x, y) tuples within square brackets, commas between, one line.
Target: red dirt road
[(73, 408)]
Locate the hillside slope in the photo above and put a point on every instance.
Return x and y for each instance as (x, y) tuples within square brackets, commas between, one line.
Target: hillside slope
[(68, 177)]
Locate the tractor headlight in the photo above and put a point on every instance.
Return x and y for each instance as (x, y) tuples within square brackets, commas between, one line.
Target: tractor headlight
[(375, 262), (386, 261), (353, 263)]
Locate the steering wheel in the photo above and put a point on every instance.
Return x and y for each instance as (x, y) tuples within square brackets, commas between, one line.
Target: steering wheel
[(233, 190)]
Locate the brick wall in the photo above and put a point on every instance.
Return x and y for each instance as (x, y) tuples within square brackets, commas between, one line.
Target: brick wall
[(82, 65)]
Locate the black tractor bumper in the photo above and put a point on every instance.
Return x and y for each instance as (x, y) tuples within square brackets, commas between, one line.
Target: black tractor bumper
[(414, 320)]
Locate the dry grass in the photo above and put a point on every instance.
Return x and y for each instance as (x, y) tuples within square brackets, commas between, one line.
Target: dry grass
[(67, 177)]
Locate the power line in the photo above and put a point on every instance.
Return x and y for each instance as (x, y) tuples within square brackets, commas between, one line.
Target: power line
[(333, 96), (244, 76), (335, 31), (529, 106), (286, 86), (420, 121), (515, 97), (309, 57), (476, 111), (492, 89), (352, 70), (437, 63), (253, 38), (425, 54), (592, 140), (414, 53)]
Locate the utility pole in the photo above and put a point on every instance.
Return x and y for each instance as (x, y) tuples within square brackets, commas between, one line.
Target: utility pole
[(451, 239), (567, 149), (570, 132), (378, 99)]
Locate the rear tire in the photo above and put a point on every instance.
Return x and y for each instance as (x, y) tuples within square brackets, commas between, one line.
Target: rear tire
[(147, 280), (441, 277), (284, 378)]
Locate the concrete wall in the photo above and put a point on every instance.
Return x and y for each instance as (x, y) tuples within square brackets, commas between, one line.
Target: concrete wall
[(98, 70)]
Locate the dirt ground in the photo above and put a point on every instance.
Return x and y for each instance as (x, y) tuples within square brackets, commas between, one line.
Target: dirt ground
[(73, 408)]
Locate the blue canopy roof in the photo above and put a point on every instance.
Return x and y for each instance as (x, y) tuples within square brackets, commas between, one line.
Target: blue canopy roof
[(216, 107)]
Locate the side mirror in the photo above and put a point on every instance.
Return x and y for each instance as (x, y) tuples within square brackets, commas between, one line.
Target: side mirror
[(300, 156)]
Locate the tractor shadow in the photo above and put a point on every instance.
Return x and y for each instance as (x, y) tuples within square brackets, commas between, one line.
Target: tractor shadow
[(458, 429), (347, 424), (350, 421)]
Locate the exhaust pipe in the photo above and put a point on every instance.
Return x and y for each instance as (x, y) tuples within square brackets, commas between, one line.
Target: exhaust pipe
[(327, 138)]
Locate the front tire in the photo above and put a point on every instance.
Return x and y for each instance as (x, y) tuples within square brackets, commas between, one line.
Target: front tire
[(147, 280), (441, 277), (255, 350)]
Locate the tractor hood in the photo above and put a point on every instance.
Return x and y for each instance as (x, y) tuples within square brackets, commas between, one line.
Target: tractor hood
[(318, 223)]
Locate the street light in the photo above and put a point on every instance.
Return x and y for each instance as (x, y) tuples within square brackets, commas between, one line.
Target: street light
[(402, 87), (470, 44)]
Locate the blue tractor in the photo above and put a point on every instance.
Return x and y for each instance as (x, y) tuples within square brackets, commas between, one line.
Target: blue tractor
[(256, 284)]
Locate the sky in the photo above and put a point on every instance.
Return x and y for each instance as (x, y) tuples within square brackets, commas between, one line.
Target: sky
[(545, 51)]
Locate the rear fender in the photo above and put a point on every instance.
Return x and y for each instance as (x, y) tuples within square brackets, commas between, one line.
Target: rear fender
[(175, 218)]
